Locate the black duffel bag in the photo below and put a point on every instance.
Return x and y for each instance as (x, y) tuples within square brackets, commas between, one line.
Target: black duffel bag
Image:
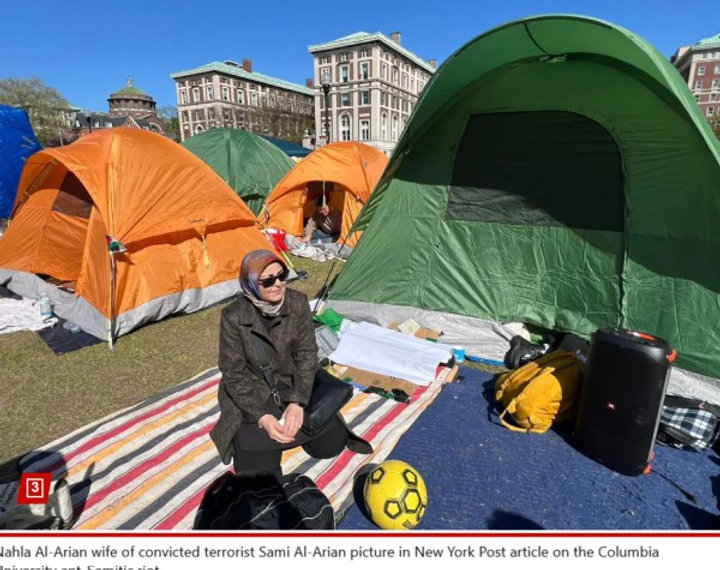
[(264, 503)]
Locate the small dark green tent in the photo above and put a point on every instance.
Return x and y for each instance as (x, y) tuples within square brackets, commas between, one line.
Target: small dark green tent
[(251, 165), (556, 171)]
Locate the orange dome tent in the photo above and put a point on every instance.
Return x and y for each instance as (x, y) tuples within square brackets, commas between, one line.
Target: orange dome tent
[(131, 225), (346, 172)]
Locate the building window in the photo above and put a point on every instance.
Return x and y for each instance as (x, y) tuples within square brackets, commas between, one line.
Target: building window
[(365, 70), (365, 97), (699, 84), (209, 92), (697, 98), (185, 116), (396, 75), (198, 129), (345, 99), (383, 126), (253, 99), (345, 132), (183, 97), (710, 111), (404, 81), (383, 71), (325, 59), (717, 70), (325, 72), (344, 74), (241, 96), (713, 96), (395, 127), (715, 83), (343, 56), (364, 130), (701, 70), (196, 94), (225, 93), (365, 53)]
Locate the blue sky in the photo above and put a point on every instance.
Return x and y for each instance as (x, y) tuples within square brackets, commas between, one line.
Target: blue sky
[(86, 49)]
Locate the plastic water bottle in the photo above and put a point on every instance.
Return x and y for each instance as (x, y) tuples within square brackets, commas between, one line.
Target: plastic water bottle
[(45, 307), (71, 327)]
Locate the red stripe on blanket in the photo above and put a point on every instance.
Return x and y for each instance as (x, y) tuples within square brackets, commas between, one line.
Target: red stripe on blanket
[(173, 519), (66, 459), (128, 477)]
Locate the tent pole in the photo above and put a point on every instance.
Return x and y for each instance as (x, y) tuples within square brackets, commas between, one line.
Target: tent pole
[(111, 321)]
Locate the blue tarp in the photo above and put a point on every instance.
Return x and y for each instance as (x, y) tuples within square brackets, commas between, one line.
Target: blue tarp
[(17, 143), (481, 476), (291, 149)]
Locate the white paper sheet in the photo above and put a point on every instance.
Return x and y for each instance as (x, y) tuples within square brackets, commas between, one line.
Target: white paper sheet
[(384, 351)]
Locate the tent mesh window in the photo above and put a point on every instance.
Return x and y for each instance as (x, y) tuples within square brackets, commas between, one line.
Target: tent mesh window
[(544, 168), (73, 199)]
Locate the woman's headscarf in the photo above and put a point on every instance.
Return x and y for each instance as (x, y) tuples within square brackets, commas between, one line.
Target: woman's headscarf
[(253, 264)]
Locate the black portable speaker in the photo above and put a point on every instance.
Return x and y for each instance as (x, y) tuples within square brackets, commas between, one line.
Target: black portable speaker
[(624, 384)]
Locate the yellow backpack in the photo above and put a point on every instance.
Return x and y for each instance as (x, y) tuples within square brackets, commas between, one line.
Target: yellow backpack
[(540, 392)]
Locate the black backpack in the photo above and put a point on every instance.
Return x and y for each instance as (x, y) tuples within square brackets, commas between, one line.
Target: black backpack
[(264, 503)]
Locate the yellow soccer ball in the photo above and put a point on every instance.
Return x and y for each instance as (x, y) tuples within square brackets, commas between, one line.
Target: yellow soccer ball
[(395, 495)]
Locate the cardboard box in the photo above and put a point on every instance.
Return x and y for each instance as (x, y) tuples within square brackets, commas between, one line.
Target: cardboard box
[(422, 332), (370, 379)]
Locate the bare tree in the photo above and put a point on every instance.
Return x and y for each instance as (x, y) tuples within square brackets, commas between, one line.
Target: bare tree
[(48, 110), (282, 124), (715, 126), (169, 117)]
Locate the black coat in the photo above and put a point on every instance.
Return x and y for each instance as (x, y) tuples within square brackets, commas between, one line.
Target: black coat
[(243, 394)]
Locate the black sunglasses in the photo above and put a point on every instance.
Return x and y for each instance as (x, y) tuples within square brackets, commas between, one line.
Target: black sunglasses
[(270, 281)]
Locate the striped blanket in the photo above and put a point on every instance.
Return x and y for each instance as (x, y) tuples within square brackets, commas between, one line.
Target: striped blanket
[(147, 466)]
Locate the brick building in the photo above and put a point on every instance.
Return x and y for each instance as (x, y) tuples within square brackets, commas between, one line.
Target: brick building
[(373, 84), (229, 94), (699, 64)]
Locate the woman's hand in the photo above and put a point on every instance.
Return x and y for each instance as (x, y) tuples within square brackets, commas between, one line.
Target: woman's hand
[(274, 428), (293, 417)]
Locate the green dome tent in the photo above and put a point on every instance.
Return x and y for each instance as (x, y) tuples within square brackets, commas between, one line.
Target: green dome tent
[(556, 171), (251, 165)]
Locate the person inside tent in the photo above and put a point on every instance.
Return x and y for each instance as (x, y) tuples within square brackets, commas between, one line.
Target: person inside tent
[(271, 324), (325, 224)]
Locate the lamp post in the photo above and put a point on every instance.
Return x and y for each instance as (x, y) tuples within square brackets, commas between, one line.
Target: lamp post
[(326, 91)]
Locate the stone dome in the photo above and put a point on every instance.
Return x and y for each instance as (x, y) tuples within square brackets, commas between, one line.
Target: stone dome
[(131, 100)]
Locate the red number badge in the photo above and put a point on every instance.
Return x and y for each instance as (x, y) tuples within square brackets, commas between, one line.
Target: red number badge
[(34, 489)]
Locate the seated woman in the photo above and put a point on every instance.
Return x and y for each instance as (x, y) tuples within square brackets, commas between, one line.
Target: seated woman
[(253, 429), (325, 225)]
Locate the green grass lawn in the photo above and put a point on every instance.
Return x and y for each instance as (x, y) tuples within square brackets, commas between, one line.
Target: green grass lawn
[(45, 396)]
